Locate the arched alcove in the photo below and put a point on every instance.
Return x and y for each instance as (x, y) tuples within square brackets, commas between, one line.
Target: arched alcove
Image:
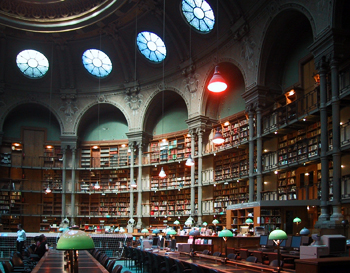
[(229, 102), (286, 43), (103, 122), (31, 115), (166, 113)]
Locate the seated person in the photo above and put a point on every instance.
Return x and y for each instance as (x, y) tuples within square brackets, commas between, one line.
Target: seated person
[(42, 247)]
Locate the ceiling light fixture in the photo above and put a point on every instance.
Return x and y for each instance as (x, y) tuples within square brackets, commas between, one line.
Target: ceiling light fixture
[(133, 184), (162, 173), (190, 161), (218, 138), (217, 83)]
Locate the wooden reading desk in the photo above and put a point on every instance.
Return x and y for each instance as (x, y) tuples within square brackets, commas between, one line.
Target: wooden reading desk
[(53, 262), (220, 263)]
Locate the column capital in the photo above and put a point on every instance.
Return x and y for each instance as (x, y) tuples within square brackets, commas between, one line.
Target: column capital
[(200, 131)]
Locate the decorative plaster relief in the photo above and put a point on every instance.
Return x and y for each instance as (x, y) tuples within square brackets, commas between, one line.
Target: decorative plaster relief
[(191, 81), (134, 100), (69, 108), (247, 51)]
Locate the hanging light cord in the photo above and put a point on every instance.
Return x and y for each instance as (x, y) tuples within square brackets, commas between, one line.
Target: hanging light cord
[(163, 70), (51, 75), (98, 100), (135, 77), (217, 32)]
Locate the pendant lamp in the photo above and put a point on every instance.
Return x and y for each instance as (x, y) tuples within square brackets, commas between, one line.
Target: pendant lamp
[(133, 184), (97, 186), (217, 83), (48, 190), (190, 161), (162, 173), (218, 138)]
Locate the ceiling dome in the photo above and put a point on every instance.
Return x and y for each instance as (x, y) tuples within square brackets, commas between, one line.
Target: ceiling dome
[(56, 15)]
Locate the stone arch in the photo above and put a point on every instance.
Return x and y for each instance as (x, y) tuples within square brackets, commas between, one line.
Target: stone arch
[(270, 34), (88, 107), (229, 65), (28, 101), (148, 103)]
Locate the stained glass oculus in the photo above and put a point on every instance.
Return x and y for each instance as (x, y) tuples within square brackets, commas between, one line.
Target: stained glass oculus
[(199, 15), (32, 63), (97, 63), (151, 46)]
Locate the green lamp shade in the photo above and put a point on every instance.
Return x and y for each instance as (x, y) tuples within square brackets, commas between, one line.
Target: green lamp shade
[(176, 222), (171, 232), (278, 234), (225, 233), (75, 240), (215, 222), (249, 221), (156, 231), (188, 222), (145, 230), (205, 224), (296, 220), (304, 231)]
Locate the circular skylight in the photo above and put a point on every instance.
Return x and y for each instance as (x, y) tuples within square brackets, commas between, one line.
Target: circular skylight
[(151, 46), (199, 14), (32, 63), (97, 63)]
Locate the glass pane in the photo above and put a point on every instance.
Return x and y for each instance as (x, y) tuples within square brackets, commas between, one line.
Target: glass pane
[(32, 63), (97, 63), (198, 14), (151, 46)]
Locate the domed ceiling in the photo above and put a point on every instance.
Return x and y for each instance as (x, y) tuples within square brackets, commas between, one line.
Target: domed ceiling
[(113, 25), (60, 15)]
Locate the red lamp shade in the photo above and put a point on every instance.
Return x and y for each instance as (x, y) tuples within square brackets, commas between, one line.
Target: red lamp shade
[(217, 83), (218, 138)]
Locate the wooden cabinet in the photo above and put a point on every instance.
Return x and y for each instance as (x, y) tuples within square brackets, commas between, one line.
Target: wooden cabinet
[(267, 217)]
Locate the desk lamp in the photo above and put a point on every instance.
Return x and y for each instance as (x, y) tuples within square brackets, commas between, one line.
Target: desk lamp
[(249, 222), (177, 222), (215, 222), (73, 240), (297, 220), (144, 231), (156, 231), (171, 232), (189, 221), (225, 233), (304, 231), (278, 235)]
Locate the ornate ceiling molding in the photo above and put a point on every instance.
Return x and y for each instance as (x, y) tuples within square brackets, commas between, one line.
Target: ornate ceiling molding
[(55, 15)]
